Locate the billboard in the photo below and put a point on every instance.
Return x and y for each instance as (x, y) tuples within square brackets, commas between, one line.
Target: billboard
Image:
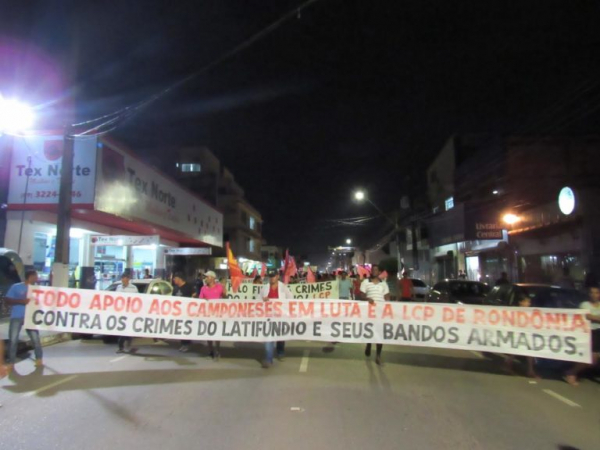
[(36, 167), (129, 188)]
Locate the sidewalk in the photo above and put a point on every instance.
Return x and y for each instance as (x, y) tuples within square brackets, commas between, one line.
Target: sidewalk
[(47, 337)]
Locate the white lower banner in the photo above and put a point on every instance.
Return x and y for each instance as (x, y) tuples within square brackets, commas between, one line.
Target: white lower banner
[(546, 333)]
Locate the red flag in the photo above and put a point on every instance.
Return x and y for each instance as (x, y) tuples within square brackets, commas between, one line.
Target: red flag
[(290, 270), (286, 260), (254, 273), (362, 272), (310, 276), (235, 272)]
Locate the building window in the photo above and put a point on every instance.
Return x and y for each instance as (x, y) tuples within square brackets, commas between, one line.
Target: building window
[(190, 167), (252, 223), (449, 203), (251, 245)]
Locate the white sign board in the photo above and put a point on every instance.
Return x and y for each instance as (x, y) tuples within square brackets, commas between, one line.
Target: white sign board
[(128, 188), (566, 200), (189, 251), (99, 241), (36, 166)]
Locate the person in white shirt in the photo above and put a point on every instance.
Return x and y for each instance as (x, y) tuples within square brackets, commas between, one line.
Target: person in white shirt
[(374, 290), (274, 290), (593, 315), (126, 286)]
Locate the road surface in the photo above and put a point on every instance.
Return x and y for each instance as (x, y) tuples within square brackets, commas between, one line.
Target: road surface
[(320, 397)]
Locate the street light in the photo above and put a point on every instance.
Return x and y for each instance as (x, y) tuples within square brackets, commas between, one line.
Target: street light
[(511, 219), (348, 241), (360, 196), (15, 116)]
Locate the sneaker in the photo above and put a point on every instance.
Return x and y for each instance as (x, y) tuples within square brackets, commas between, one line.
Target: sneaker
[(184, 348), (378, 361), (266, 364), (571, 379), (39, 362)]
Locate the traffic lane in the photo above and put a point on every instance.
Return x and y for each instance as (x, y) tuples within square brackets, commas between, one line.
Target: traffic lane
[(255, 408), (328, 404), (495, 410)]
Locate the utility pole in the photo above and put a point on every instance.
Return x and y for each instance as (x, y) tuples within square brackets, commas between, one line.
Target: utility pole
[(60, 268)]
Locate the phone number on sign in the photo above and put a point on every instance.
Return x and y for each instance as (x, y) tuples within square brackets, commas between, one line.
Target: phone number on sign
[(55, 194)]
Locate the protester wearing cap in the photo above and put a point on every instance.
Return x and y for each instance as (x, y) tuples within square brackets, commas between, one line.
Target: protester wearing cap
[(212, 291), (275, 290), (126, 286)]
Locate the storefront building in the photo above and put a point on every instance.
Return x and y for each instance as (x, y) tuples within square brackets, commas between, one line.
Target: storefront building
[(125, 214), (470, 240)]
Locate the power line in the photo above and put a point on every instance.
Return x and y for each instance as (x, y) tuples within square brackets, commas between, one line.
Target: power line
[(131, 110)]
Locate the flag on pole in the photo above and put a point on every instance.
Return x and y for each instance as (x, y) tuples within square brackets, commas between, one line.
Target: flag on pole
[(310, 275), (263, 270), (235, 272), (290, 268), (362, 272), (254, 273)]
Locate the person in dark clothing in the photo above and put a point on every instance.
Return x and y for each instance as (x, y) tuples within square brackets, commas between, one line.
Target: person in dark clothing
[(503, 279), (183, 289)]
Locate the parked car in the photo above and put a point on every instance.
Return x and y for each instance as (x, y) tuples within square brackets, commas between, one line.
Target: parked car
[(459, 291), (420, 289), (152, 286), (541, 295)]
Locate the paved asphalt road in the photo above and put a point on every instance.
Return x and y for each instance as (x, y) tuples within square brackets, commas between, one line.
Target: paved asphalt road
[(88, 397)]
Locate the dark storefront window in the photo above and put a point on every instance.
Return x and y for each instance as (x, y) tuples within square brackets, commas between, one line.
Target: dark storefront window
[(549, 269)]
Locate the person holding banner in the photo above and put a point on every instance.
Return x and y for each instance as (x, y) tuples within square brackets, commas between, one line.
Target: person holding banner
[(593, 306), (17, 296), (183, 289), (275, 290), (126, 286), (345, 286), (213, 291), (374, 290), (524, 302)]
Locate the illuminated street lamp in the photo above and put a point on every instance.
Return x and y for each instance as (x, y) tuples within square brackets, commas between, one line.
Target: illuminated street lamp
[(360, 196), (511, 219), (348, 241), (15, 116)]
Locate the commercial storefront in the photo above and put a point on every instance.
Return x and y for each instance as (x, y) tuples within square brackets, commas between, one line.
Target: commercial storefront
[(468, 240), (125, 213), (549, 239)]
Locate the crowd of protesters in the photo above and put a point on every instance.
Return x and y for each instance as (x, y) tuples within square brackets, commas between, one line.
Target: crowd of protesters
[(371, 288)]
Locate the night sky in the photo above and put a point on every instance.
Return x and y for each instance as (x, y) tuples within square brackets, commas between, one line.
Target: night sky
[(345, 94)]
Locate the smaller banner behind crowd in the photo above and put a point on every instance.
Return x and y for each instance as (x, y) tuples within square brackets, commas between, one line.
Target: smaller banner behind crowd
[(249, 291), (547, 333)]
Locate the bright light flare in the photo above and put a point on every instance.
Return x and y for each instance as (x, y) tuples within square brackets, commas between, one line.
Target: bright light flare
[(359, 195), (348, 241), (15, 116), (511, 219)]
